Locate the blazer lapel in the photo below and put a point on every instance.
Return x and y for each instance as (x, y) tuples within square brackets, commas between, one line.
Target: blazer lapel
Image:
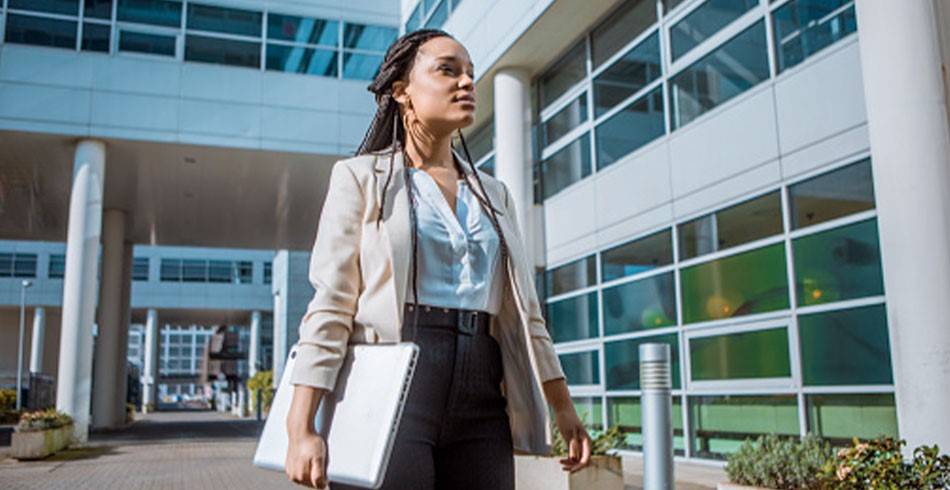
[(397, 220)]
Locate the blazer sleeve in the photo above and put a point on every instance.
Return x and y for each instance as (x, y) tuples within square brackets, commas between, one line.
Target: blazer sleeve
[(335, 276), (549, 366)]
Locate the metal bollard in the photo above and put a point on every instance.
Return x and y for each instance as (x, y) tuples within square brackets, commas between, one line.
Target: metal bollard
[(656, 408)]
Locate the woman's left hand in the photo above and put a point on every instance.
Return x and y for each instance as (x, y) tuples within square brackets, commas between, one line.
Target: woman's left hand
[(576, 437)]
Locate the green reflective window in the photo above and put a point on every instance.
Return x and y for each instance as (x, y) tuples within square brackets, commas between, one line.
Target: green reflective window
[(640, 255), (760, 354), (741, 284), (845, 347), (721, 423), (639, 305), (831, 195), (573, 318), (622, 359), (574, 275), (747, 221), (838, 264), (581, 368), (590, 410), (625, 412), (842, 417)]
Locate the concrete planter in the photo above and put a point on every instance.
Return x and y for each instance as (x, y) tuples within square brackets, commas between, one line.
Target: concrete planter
[(37, 444), (546, 473), (736, 486)]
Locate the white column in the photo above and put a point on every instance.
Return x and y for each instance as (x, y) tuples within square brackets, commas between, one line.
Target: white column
[(122, 354), (74, 376), (253, 351), (150, 362), (910, 153), (39, 336), (106, 361), (513, 145), (279, 348)]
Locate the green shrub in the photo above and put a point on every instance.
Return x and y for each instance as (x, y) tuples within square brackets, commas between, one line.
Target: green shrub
[(878, 463), (42, 420), (263, 381), (600, 440), (776, 462), (7, 399)]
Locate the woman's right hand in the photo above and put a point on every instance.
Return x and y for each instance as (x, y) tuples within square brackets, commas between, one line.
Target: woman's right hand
[(306, 460)]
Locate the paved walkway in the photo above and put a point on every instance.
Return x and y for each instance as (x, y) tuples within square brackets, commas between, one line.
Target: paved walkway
[(200, 450)]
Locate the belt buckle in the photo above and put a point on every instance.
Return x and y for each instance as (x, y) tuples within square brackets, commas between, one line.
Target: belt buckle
[(466, 322)]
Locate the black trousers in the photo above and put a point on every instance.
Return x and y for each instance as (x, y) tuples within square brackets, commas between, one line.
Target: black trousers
[(454, 432)]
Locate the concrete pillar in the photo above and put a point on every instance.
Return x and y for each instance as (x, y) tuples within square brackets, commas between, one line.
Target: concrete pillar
[(39, 336), (253, 351), (150, 363), (74, 376), (513, 145), (910, 152), (111, 323), (122, 367)]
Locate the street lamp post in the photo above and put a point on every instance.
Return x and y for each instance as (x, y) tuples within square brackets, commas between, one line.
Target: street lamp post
[(19, 358)]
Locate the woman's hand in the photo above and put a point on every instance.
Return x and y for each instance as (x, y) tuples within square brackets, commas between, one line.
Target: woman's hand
[(576, 437), (306, 460)]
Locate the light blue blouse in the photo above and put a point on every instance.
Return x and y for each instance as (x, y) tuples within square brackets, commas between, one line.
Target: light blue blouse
[(459, 254)]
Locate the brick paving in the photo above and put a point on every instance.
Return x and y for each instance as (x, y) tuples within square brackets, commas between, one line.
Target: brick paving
[(201, 450)]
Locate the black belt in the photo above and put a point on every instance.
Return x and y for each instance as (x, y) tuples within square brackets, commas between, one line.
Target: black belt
[(468, 322)]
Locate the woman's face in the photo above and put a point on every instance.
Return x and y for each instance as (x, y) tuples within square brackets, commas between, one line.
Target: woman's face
[(440, 88)]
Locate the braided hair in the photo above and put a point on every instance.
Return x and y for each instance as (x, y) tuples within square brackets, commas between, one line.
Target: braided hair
[(387, 132)]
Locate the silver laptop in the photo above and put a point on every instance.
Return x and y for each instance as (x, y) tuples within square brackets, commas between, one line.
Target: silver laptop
[(358, 419)]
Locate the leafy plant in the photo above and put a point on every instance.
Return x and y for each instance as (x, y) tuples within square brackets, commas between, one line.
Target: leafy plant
[(43, 420), (776, 462), (878, 463), (601, 441), (263, 381), (7, 399)]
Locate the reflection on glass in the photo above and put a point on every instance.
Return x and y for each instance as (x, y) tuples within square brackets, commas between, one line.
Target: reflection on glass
[(95, 37), (625, 412), (838, 264), (440, 15), (140, 42), (838, 418), (804, 27), (831, 195), (590, 410), (359, 66), (482, 141), (99, 9), (415, 20), (297, 59), (626, 76), (742, 284), (720, 424), (568, 165), (226, 20), (845, 347), (39, 31), (66, 7), (139, 269), (305, 30), (742, 355), (620, 27), (622, 360), (573, 318), (564, 74), (581, 368), (736, 66), (632, 127), (566, 119), (637, 256), (156, 12), (756, 218), (375, 38), (222, 51), (640, 305), (574, 275), (703, 22)]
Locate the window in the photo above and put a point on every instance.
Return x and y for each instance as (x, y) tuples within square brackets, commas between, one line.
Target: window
[(268, 272), (566, 166), (244, 272), (743, 355), (140, 42), (95, 37), (573, 318), (838, 418), (640, 305), (40, 31), (840, 192), (569, 117), (57, 266), (581, 368), (224, 20), (140, 269), (154, 12), (804, 27), (171, 270), (626, 413), (845, 347), (620, 27), (628, 75), (17, 264), (721, 423), (482, 141), (756, 218), (622, 359), (364, 48), (564, 74), (640, 255), (742, 284), (838, 264), (736, 66), (574, 275), (703, 22), (632, 127), (590, 411)]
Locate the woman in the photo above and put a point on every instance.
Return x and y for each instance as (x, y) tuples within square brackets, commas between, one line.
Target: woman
[(474, 399)]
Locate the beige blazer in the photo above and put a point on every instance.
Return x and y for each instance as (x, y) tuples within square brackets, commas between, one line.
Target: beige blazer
[(360, 275)]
